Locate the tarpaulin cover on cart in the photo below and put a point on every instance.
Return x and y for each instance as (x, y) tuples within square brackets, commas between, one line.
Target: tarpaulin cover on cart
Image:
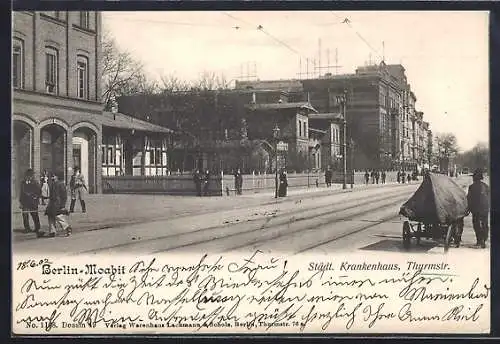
[(439, 199)]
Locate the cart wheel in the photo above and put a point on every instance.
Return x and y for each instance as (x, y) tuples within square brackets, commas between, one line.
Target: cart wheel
[(406, 235), (447, 240), (419, 233)]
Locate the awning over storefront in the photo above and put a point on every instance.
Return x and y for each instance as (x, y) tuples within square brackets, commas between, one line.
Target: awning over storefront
[(122, 121)]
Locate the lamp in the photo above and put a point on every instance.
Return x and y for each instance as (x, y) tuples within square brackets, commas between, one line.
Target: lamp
[(276, 133)]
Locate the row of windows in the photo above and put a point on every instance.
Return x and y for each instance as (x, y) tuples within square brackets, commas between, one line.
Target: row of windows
[(84, 21), (51, 70)]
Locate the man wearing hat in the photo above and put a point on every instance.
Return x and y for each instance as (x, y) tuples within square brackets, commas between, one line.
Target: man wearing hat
[(56, 209), (28, 201), (478, 199)]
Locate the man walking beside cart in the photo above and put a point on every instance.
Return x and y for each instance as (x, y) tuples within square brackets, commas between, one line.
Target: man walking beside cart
[(478, 200)]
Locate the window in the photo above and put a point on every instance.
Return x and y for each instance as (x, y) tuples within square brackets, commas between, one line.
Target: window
[(84, 20), (300, 128), (17, 64), (305, 129), (82, 77), (51, 70)]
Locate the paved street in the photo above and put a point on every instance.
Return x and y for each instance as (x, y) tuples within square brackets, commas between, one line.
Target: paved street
[(314, 221)]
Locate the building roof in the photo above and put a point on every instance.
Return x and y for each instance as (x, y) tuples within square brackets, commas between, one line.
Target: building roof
[(329, 115), (122, 121), (278, 106)]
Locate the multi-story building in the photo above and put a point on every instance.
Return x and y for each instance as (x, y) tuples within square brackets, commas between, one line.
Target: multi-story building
[(381, 117), (58, 122), (56, 97)]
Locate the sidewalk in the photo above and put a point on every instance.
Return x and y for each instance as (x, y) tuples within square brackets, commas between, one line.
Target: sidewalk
[(113, 210)]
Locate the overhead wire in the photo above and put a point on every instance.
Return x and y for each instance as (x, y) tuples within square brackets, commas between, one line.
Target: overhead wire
[(347, 21)]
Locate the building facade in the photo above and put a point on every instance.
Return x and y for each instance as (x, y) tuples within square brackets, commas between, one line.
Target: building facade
[(56, 94), (383, 126), (57, 119)]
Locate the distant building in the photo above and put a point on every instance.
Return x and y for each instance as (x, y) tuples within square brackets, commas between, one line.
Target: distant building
[(381, 118)]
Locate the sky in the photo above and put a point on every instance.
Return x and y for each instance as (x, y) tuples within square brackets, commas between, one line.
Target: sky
[(445, 53)]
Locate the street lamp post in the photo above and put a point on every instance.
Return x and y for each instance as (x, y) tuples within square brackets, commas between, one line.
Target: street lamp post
[(276, 133), (342, 99)]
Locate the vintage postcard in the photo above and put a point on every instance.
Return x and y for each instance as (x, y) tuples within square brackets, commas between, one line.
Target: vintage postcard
[(290, 172)]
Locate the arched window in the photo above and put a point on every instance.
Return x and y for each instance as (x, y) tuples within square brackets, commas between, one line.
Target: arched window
[(51, 70), (82, 77), (17, 63)]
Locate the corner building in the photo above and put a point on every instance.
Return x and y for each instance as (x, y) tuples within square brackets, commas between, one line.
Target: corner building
[(56, 94)]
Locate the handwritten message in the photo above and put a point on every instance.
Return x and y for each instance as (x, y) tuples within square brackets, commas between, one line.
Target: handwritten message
[(247, 293)]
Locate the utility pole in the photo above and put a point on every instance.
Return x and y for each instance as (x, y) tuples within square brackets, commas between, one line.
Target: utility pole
[(319, 57), (342, 100)]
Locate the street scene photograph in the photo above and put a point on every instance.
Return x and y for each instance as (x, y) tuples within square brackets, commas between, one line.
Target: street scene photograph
[(298, 132)]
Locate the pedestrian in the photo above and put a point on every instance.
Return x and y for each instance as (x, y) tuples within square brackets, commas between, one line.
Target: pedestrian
[(238, 181), (206, 182), (478, 200), (44, 181), (56, 209), (367, 177), (197, 178), (377, 176), (77, 188), (373, 176), (383, 175), (408, 177), (398, 177), (29, 199), (283, 184), (328, 177), (403, 176)]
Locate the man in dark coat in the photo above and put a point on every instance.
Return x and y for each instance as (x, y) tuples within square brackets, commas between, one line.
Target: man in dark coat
[(283, 184), (238, 181), (377, 176), (367, 177), (197, 178), (478, 200), (206, 181), (328, 177), (56, 209), (28, 200), (383, 176)]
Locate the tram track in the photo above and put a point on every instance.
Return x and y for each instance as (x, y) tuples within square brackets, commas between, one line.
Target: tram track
[(326, 222), (277, 219), (282, 229)]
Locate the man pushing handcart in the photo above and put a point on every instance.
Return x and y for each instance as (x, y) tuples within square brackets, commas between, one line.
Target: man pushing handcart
[(435, 211)]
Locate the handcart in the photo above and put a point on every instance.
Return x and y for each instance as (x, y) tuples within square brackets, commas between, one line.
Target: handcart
[(435, 211)]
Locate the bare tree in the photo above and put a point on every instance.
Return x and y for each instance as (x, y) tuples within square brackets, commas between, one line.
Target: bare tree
[(171, 83), (446, 144), (477, 157), (446, 150), (209, 81), (121, 73)]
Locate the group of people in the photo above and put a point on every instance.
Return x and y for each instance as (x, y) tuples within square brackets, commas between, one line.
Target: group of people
[(403, 177), (51, 188), (201, 181), (376, 176)]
